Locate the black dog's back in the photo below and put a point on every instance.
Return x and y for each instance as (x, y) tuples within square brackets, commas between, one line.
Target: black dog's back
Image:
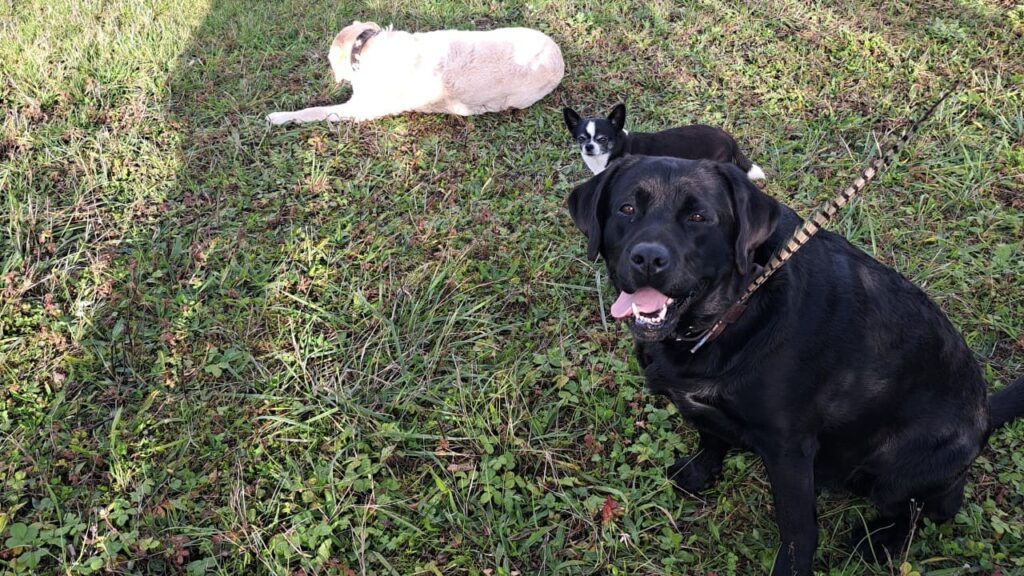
[(692, 142)]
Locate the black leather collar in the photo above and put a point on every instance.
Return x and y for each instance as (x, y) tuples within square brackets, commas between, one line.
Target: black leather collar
[(357, 46)]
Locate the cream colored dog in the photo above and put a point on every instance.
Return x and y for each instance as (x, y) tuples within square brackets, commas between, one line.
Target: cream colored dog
[(447, 71)]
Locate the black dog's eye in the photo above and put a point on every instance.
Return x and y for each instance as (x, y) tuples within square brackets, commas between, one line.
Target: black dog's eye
[(581, 139), (601, 139), (696, 217), (627, 209)]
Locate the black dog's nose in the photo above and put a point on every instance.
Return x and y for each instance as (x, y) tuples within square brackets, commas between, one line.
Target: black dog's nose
[(589, 147), (649, 258)]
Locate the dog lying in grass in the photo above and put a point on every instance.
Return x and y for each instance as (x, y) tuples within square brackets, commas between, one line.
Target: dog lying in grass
[(839, 373), (446, 71)]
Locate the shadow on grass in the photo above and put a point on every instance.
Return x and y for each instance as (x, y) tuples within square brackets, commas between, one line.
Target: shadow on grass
[(277, 279)]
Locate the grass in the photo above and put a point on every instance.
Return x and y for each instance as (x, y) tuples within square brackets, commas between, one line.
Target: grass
[(379, 349)]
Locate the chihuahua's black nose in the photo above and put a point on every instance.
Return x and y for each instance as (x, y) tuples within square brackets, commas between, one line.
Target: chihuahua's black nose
[(589, 147), (649, 258)]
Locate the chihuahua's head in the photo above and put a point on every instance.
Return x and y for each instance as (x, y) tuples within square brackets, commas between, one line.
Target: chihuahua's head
[(598, 138)]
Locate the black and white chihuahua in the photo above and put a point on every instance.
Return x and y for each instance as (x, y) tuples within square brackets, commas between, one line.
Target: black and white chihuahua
[(602, 140)]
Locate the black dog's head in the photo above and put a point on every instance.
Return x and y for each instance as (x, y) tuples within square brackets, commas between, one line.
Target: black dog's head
[(598, 138), (678, 236)]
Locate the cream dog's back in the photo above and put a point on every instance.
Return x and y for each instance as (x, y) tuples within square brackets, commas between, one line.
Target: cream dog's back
[(511, 68), (447, 71)]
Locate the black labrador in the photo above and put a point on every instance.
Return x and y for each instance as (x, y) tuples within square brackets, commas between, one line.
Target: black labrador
[(840, 372)]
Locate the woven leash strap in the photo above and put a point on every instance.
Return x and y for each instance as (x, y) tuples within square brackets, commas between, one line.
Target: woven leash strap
[(812, 225)]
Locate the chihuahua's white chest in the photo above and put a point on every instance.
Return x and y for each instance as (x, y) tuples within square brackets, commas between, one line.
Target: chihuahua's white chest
[(596, 163)]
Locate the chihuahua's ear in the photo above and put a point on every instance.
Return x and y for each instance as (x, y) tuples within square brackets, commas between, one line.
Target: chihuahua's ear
[(618, 116), (584, 203), (572, 119)]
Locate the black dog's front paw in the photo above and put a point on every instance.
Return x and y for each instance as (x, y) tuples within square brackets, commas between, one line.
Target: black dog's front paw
[(881, 541), (693, 475)]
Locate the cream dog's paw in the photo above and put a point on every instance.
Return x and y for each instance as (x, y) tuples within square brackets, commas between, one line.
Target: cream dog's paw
[(279, 118)]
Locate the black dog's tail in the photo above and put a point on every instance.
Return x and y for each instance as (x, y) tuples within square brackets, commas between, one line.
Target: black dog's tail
[(1007, 404), (740, 159)]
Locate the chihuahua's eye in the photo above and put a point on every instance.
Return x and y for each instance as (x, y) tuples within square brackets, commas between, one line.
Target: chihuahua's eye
[(601, 139), (581, 139), (696, 217), (627, 209)]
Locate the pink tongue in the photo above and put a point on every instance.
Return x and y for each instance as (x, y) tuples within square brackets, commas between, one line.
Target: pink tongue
[(647, 300)]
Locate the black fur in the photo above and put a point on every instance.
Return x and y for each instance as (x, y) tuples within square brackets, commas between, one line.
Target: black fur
[(840, 373)]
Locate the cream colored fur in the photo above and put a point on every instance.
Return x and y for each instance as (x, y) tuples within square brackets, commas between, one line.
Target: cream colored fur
[(446, 71)]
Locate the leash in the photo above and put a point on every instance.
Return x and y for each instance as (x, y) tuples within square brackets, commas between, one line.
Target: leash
[(811, 227)]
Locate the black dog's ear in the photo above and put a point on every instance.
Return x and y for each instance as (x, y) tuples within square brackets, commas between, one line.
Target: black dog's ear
[(756, 214), (572, 119), (618, 116), (584, 203)]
